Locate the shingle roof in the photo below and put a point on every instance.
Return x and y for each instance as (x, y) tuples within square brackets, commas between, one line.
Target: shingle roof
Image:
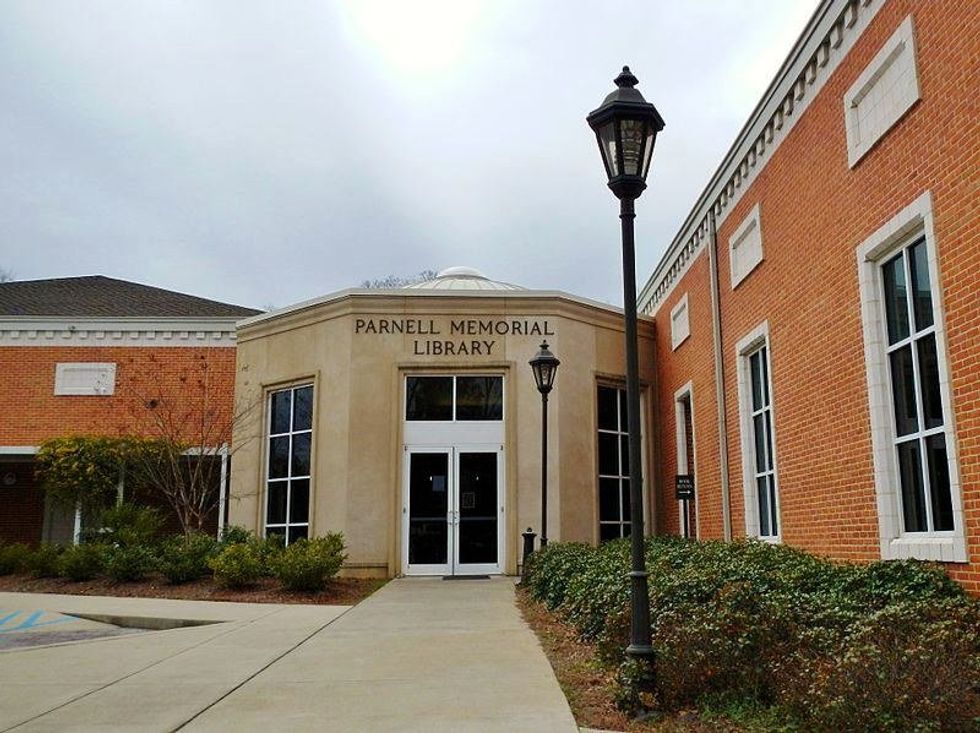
[(97, 296)]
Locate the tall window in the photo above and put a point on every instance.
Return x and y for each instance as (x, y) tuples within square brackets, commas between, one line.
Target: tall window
[(288, 474), (762, 442), (913, 365), (614, 462)]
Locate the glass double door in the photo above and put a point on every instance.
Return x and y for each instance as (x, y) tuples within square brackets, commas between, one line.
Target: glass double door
[(453, 510)]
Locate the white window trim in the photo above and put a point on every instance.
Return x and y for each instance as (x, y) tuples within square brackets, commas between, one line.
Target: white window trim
[(860, 142), (679, 335), (106, 377), (268, 435), (757, 337), (913, 221), (686, 392), (751, 222)]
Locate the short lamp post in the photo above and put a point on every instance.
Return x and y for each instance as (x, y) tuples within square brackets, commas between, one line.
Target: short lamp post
[(545, 367), (626, 126)]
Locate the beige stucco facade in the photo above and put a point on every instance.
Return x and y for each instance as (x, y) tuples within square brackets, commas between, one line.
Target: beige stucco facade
[(358, 347)]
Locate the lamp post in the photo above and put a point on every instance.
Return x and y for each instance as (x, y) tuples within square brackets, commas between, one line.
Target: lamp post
[(626, 126), (545, 366)]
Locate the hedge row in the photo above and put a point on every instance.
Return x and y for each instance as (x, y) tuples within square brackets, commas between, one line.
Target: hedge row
[(126, 548), (826, 646)]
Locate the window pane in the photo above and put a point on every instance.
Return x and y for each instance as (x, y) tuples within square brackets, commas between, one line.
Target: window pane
[(913, 497), (609, 454), (479, 398), (609, 532), (755, 374), (276, 532), (301, 455), (932, 404), (297, 533), (429, 398), (759, 433), (623, 411), (626, 529), (942, 500), (921, 293), (626, 498), (299, 501), (280, 411), (764, 374), (762, 490), (903, 391), (279, 457), (774, 519), (303, 408), (896, 304), (607, 409), (624, 453), (276, 503), (608, 499)]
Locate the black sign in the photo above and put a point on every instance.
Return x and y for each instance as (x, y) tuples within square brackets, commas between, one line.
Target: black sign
[(684, 487)]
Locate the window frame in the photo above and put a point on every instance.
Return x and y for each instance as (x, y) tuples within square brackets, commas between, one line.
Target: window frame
[(751, 344), (289, 478), (454, 376), (911, 224), (621, 432), (684, 401)]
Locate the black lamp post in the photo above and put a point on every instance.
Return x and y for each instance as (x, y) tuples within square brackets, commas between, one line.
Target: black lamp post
[(545, 366), (626, 126)]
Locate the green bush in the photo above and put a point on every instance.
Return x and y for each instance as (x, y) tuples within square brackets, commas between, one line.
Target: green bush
[(128, 525), (12, 558), (760, 627), (129, 563), (268, 549), (185, 557), (82, 562), (43, 562), (235, 535), (307, 565), (237, 566)]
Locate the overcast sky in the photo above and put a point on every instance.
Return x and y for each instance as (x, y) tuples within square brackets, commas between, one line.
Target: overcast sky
[(263, 153)]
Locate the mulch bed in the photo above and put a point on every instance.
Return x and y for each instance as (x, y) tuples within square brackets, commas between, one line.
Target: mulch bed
[(588, 685), (339, 591)]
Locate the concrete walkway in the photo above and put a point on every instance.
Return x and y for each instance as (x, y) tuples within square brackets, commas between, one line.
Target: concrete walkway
[(419, 655)]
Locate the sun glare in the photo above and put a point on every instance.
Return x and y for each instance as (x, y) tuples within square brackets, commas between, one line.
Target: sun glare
[(415, 38)]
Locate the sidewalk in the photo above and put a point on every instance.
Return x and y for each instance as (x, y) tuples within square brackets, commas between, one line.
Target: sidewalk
[(418, 655)]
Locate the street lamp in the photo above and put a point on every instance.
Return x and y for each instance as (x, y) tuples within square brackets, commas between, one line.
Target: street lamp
[(545, 367), (626, 127)]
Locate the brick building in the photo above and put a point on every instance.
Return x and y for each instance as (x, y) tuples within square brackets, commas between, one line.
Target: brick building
[(817, 314), (93, 356)]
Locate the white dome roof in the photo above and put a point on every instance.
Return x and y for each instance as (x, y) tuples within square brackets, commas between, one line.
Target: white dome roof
[(463, 278)]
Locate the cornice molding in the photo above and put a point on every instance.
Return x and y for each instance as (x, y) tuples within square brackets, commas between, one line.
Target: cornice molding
[(120, 332), (832, 31)]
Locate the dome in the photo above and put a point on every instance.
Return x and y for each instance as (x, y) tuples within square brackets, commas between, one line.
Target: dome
[(463, 278)]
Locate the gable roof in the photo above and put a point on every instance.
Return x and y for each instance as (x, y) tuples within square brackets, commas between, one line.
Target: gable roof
[(97, 296)]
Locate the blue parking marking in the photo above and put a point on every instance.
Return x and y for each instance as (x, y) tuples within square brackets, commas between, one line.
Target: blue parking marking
[(32, 620)]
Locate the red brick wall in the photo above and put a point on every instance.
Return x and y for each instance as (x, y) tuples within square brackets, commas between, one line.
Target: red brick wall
[(815, 212)]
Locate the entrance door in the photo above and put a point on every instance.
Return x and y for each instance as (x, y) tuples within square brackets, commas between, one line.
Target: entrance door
[(453, 511)]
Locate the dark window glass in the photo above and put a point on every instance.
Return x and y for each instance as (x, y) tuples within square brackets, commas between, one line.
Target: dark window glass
[(299, 501), (609, 532), (279, 457), (301, 455), (921, 293), (626, 529), (626, 499), (303, 409), (764, 374), (773, 514), (276, 532), (913, 496), (609, 454), (479, 398), (478, 508), (608, 499), (896, 303), (762, 489), (298, 533), (429, 398), (942, 499), (276, 506), (755, 369), (759, 431), (624, 453), (903, 391), (623, 411), (932, 404), (608, 419), (280, 411)]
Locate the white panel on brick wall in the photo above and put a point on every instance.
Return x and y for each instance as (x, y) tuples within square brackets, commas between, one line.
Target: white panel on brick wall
[(886, 89), (680, 323), (86, 378), (745, 247)]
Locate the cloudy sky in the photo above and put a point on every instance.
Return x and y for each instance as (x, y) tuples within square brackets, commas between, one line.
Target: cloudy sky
[(267, 152)]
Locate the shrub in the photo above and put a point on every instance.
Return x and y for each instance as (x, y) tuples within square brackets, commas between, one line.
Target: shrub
[(235, 535), (128, 525), (82, 562), (307, 565), (43, 562), (12, 558), (129, 563), (268, 549), (185, 557), (237, 566), (551, 569)]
